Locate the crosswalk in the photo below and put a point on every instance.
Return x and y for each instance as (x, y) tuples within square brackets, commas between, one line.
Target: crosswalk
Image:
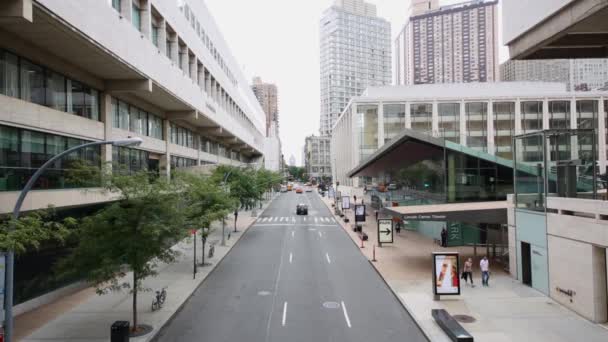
[(296, 219)]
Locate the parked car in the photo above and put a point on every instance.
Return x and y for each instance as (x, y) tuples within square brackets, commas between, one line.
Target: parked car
[(302, 209), (283, 188)]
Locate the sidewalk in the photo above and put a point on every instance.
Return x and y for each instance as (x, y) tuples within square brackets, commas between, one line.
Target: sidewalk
[(85, 316), (505, 311)]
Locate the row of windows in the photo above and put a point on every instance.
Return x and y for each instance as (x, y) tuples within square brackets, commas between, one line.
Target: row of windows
[(182, 136), (20, 78), (23, 151), (137, 120)]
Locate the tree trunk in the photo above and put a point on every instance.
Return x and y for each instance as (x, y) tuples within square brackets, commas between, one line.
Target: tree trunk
[(203, 246), (135, 286)]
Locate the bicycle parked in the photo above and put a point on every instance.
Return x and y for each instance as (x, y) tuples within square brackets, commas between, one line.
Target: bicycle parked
[(159, 299)]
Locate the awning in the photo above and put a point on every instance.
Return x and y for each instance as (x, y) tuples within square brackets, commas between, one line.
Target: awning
[(494, 212)]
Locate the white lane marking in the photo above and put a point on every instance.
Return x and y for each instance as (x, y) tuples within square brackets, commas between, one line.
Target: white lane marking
[(293, 219), (327, 257), (274, 295), (320, 235), (282, 218), (304, 218), (345, 314), (292, 233), (312, 229), (285, 313), (315, 220), (295, 225), (290, 257)]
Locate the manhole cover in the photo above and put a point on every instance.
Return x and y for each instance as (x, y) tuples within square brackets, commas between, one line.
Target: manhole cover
[(263, 293), (464, 318), (331, 305)]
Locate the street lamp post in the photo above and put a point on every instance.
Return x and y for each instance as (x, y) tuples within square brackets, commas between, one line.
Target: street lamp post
[(10, 254)]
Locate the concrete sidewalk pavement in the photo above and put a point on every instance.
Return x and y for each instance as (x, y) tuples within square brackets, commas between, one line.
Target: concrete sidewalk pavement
[(505, 311), (87, 317)]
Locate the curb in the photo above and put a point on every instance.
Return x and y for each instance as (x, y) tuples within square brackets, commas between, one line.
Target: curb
[(154, 338), (407, 309)]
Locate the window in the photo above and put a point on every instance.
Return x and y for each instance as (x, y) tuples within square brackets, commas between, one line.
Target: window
[(155, 35), (23, 79), (559, 114), (136, 16), (422, 117), (32, 83), (23, 151), (504, 128), (449, 121), (129, 160), (394, 120), (586, 114), (116, 4), (477, 115), (532, 116), (123, 112)]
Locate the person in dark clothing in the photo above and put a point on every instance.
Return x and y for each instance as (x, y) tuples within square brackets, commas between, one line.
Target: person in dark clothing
[(444, 237), (355, 197)]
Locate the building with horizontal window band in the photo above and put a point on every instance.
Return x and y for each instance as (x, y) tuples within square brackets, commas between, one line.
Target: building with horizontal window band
[(73, 72)]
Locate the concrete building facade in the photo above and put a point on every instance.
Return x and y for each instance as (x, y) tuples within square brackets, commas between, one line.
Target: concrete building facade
[(79, 71), (317, 157), (481, 116), (267, 96), (355, 53), (579, 74), (448, 44)]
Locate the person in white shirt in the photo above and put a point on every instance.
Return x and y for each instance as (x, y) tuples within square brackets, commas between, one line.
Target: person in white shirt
[(484, 265)]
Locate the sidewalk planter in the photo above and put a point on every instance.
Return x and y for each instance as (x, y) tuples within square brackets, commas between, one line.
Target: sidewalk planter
[(119, 332)]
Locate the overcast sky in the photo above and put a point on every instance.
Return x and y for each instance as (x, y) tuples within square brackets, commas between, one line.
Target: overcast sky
[(279, 41)]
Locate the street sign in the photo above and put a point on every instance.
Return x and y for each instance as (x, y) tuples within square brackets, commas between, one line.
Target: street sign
[(345, 202), (359, 213), (385, 231)]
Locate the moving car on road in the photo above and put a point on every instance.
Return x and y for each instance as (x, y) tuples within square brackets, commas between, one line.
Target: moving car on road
[(299, 190), (308, 189), (302, 209), (283, 188)]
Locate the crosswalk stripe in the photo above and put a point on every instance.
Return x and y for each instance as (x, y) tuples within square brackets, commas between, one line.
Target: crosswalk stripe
[(315, 220)]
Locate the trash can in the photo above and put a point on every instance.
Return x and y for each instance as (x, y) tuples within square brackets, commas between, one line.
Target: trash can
[(120, 331)]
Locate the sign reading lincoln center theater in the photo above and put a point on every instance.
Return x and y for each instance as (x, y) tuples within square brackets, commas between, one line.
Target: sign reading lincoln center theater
[(424, 217)]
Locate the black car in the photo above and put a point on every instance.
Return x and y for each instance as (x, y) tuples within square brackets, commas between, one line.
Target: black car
[(302, 209)]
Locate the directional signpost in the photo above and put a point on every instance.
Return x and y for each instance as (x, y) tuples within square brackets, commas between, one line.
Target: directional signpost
[(345, 202), (385, 231), (359, 213)]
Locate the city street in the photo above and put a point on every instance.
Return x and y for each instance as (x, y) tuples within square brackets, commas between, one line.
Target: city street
[(293, 278)]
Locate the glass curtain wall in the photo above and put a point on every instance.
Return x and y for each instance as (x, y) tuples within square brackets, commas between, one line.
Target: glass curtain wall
[(28, 81), (530, 172), (129, 160), (449, 121), (368, 130), (586, 118), (531, 116), (137, 120), (23, 151), (394, 120), (422, 117), (559, 114), (504, 128), (477, 125)]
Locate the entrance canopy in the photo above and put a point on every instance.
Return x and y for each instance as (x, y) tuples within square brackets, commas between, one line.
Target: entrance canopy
[(494, 212)]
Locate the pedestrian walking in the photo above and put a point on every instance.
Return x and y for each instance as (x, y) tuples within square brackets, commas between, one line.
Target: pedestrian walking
[(398, 226), (444, 237), (355, 197), (467, 273), (484, 265)]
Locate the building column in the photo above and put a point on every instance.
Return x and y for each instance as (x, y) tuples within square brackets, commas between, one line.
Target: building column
[(463, 124), (518, 129), (165, 160), (126, 9), (601, 135), (435, 119), (408, 116), (106, 118), (490, 128), (174, 48), (146, 18), (380, 124), (162, 36), (546, 114)]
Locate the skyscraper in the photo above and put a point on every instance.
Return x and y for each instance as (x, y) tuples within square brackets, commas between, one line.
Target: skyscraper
[(267, 95), (355, 54), (449, 44)]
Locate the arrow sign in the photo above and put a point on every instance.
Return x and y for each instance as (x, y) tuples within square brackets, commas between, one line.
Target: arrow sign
[(385, 226)]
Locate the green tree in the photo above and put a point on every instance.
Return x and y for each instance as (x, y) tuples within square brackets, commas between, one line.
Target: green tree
[(298, 173), (206, 201), (32, 229), (132, 234)]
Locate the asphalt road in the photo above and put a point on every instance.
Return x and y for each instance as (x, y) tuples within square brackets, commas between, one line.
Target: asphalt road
[(293, 278)]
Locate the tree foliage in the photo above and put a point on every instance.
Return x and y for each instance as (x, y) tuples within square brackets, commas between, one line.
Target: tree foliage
[(297, 172), (132, 234)]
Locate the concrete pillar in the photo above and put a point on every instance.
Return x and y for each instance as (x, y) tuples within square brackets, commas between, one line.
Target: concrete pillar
[(518, 129), (197, 138), (193, 68), (490, 128), (146, 18), (380, 124), (126, 9), (408, 115), (435, 119), (545, 113), (162, 36), (463, 123), (601, 135), (106, 117), (600, 297), (165, 160), (174, 48)]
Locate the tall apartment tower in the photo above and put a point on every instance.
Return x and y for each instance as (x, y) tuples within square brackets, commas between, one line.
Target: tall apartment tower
[(266, 93), (355, 53), (449, 44)]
